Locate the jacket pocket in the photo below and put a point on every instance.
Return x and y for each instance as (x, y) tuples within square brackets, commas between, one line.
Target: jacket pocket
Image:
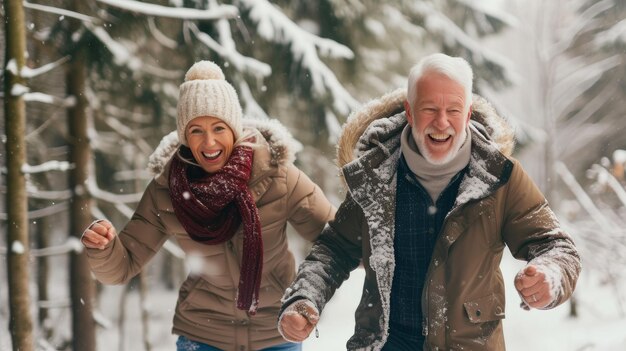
[(484, 309)]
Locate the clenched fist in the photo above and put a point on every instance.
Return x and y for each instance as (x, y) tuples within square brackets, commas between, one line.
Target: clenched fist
[(533, 287), (98, 235), (298, 320)]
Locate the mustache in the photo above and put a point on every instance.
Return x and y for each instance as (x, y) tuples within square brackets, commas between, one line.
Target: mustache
[(433, 130)]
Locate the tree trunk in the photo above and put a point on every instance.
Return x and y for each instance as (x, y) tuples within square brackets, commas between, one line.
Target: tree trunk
[(145, 314), (20, 324), (43, 273), (82, 286)]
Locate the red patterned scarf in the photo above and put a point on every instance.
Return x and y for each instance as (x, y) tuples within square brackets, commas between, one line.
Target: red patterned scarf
[(212, 206)]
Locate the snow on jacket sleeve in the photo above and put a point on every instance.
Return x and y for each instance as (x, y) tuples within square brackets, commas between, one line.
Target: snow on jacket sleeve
[(133, 247), (533, 233), (309, 209), (334, 255)]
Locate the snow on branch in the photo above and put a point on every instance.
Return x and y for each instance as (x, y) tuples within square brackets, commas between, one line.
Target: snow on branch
[(62, 12), (34, 72), (575, 83), (129, 134), (67, 102), (612, 36), (72, 244), (220, 12), (47, 166), (275, 26), (397, 19), (121, 54), (604, 177), (48, 195), (34, 193), (252, 107), (100, 194), (582, 197), (437, 22), (116, 199), (583, 20), (492, 10), (159, 36), (231, 55), (40, 213), (125, 56)]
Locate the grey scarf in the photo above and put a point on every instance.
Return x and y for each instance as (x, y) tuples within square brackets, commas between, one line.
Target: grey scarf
[(434, 178)]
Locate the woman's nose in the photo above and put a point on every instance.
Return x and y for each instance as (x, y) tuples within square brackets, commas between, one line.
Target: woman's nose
[(209, 139)]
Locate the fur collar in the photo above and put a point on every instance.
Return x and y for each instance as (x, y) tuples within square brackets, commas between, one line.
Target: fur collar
[(282, 146), (354, 139)]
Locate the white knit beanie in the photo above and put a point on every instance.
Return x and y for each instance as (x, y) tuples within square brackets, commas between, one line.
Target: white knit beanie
[(205, 92)]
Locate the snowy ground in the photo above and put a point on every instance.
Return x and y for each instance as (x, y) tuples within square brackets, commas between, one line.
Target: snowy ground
[(600, 326)]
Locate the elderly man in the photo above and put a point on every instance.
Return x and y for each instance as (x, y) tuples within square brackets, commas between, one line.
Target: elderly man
[(433, 198)]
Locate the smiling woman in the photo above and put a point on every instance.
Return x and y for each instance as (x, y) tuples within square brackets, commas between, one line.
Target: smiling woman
[(211, 142), (225, 189)]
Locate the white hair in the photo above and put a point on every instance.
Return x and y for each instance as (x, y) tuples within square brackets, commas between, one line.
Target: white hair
[(455, 68)]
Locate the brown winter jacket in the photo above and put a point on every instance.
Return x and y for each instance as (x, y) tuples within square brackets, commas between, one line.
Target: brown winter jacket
[(206, 309), (497, 205)]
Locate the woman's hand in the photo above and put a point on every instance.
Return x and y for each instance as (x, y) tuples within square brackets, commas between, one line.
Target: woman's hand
[(98, 235)]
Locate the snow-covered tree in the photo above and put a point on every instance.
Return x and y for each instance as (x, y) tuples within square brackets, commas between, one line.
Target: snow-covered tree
[(594, 96), (596, 216), (308, 64)]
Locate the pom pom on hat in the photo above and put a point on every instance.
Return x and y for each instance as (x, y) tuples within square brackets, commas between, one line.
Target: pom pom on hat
[(204, 70), (205, 92)]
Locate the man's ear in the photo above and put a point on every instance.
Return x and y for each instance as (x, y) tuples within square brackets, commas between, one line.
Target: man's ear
[(469, 114), (407, 109)]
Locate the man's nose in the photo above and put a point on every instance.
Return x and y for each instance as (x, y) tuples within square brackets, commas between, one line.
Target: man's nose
[(441, 121)]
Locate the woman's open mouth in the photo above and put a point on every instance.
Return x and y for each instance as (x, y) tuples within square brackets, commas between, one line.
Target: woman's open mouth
[(212, 156)]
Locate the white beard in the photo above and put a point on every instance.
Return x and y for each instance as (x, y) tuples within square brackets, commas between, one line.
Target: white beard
[(420, 141)]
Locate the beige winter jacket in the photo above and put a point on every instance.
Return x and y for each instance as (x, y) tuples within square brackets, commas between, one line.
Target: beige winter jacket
[(497, 205), (206, 309)]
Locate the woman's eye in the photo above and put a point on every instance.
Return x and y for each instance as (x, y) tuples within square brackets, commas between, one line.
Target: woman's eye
[(195, 131), (219, 128)]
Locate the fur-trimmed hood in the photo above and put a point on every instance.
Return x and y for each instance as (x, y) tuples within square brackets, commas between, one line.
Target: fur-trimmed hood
[(354, 140), (282, 146)]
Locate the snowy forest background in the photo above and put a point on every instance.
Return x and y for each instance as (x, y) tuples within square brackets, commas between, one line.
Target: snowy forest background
[(90, 87)]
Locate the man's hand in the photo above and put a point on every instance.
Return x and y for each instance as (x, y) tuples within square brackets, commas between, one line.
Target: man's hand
[(98, 235), (533, 287), (298, 320)]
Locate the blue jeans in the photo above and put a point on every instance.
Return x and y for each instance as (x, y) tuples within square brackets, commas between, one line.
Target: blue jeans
[(184, 344)]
